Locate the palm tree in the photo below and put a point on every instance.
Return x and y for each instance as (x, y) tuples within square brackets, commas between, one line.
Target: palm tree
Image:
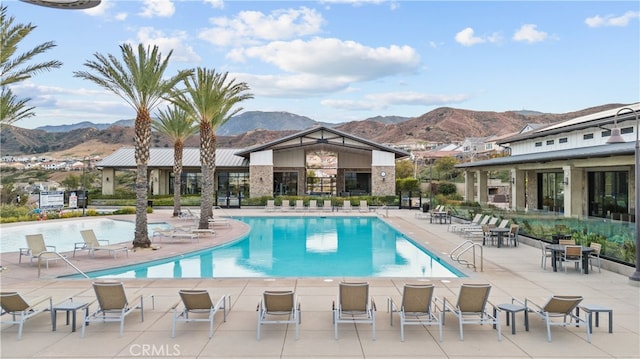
[(178, 126), (14, 68), (139, 81), (209, 98)]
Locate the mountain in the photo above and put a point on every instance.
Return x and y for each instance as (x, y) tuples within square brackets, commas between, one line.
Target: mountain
[(85, 124), (444, 124)]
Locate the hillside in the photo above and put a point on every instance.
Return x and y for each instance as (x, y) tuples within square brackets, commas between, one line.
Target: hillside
[(443, 124)]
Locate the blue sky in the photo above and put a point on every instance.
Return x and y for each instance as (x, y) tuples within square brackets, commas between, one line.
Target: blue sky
[(347, 60)]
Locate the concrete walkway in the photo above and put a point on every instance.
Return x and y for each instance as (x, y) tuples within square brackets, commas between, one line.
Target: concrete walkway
[(512, 272)]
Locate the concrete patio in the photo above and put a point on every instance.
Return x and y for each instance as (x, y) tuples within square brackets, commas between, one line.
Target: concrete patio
[(512, 272)]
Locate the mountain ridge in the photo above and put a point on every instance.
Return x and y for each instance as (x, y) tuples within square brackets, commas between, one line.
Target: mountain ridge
[(441, 125)]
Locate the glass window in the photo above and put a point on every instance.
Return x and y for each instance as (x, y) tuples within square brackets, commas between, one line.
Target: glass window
[(609, 194), (549, 142), (563, 140), (587, 136), (551, 191), (538, 144), (285, 183), (357, 183)]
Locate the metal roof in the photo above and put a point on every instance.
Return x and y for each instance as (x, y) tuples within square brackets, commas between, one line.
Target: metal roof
[(618, 149), (325, 140), (597, 119), (163, 157)]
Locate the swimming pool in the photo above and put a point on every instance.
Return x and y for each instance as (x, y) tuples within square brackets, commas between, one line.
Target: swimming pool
[(301, 247), (63, 234)]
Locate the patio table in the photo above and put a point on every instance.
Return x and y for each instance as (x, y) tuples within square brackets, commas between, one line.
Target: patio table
[(557, 249)]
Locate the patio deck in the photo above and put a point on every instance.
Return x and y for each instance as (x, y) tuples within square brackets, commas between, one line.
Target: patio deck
[(512, 272)]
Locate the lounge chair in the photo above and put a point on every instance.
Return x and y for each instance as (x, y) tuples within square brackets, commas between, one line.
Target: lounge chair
[(471, 307), (354, 306), (20, 310), (299, 205), (454, 227), (113, 305), (346, 206), (285, 205), (559, 306), (271, 205), (279, 307), (37, 249), (180, 233), (327, 206), (364, 207), (92, 244), (417, 308), (218, 222), (197, 301), (313, 205)]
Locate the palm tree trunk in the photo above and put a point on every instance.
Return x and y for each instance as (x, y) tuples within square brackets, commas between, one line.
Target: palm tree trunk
[(207, 157), (178, 148), (142, 139)]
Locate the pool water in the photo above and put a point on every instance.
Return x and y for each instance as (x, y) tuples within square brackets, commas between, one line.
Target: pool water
[(63, 234), (302, 247)]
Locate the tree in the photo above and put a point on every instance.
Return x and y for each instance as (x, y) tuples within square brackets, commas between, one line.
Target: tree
[(15, 68), (178, 126), (139, 81), (446, 166), (209, 98), (71, 182), (404, 169)]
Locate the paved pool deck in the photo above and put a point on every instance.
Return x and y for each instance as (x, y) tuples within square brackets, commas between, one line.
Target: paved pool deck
[(512, 272)]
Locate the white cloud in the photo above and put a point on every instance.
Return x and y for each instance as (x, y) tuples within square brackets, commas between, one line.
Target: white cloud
[(466, 38), (121, 16), (101, 9), (160, 8), (345, 60), (216, 4), (177, 42), (379, 101), (291, 86), (530, 34), (610, 20), (253, 27)]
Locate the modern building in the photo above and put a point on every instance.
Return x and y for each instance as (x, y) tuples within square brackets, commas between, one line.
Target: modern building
[(567, 167), (279, 167)]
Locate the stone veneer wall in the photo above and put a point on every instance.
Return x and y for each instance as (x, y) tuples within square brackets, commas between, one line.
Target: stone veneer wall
[(380, 187), (257, 187)]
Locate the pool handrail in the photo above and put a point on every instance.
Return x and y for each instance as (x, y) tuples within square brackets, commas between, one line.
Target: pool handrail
[(66, 261)]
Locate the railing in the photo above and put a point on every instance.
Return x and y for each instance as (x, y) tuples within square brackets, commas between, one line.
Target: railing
[(65, 260), (463, 248), (383, 208)]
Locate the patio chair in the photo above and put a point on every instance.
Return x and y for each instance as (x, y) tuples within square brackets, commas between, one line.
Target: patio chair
[(313, 205), (559, 306), (93, 244), (113, 305), (197, 302), (503, 223), (566, 242), (271, 205), (364, 207), (327, 206), (279, 307), (471, 307), (346, 206), (571, 254), (299, 205), (285, 205), (353, 305), (595, 255), (512, 236), (546, 253), (20, 310), (417, 308), (37, 249)]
